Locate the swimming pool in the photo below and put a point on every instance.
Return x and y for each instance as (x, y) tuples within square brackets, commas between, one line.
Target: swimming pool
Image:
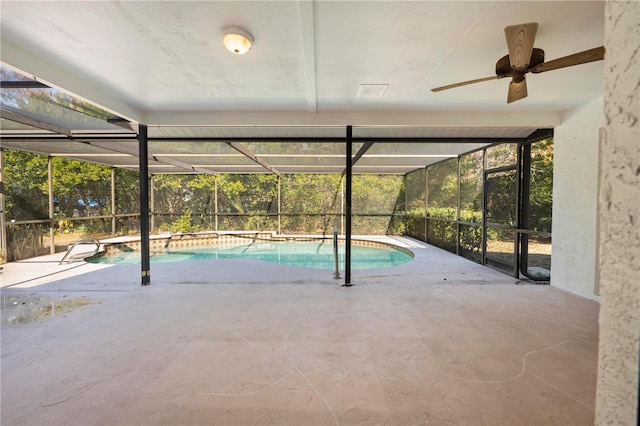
[(316, 254)]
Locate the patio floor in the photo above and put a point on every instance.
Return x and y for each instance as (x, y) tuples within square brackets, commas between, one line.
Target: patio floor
[(437, 341)]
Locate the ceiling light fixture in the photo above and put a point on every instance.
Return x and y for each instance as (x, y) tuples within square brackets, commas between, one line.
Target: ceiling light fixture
[(237, 40)]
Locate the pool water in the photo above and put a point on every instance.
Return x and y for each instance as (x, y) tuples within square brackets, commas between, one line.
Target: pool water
[(304, 254)]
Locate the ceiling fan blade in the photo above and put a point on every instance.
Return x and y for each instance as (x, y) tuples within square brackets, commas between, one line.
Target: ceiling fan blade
[(520, 40), (591, 55), (464, 83), (517, 91)]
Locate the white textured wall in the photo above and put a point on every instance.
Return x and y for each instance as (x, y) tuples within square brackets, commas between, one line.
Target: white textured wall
[(575, 199), (619, 220)]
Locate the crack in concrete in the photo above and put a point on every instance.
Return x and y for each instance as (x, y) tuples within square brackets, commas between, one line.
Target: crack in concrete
[(286, 340)]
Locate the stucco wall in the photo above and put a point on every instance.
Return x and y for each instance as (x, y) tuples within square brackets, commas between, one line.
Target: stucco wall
[(619, 220), (575, 196)]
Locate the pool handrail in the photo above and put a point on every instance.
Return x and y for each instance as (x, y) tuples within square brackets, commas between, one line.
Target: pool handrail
[(81, 241)]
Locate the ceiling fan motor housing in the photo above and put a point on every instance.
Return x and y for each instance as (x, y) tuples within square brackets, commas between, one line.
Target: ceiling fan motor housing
[(503, 66), (523, 58)]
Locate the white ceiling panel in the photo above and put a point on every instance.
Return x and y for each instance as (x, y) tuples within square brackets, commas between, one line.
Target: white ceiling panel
[(155, 58), (162, 64)]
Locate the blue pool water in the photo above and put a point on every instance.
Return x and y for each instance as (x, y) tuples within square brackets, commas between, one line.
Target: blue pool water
[(304, 254)]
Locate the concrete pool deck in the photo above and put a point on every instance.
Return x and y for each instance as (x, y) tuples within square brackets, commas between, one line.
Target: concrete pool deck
[(439, 340), (45, 272)]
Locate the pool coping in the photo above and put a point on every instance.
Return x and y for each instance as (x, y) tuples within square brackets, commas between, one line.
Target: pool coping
[(160, 243), (430, 264)]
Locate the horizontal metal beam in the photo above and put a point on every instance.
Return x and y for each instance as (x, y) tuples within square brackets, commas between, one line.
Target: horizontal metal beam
[(31, 84), (123, 123), (285, 139), (46, 68), (33, 122), (339, 140), (133, 151), (539, 135)]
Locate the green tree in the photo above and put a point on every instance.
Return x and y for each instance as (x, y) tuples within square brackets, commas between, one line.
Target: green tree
[(127, 187), (443, 189), (80, 188), (471, 187), (52, 106), (25, 185), (541, 196), (502, 155), (416, 192), (248, 193), (253, 196), (311, 194), (377, 195)]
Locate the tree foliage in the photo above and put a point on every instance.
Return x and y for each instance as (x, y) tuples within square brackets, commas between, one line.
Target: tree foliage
[(306, 198), (127, 188), (541, 197), (81, 188), (501, 196), (442, 186), (248, 193), (25, 185), (310, 203), (53, 106), (471, 186)]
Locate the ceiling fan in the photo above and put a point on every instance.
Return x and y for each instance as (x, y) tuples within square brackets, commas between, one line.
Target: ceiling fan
[(524, 58)]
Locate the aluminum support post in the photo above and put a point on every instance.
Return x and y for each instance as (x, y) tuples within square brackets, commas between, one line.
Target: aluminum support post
[(113, 202), (3, 224), (215, 202), (426, 204), (152, 210), (143, 158), (347, 236), (279, 206), (52, 241), (458, 206)]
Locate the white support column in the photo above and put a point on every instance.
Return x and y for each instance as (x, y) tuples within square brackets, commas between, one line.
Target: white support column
[(575, 189), (618, 220)]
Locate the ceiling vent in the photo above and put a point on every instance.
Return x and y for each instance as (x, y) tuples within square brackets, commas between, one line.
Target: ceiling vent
[(372, 90)]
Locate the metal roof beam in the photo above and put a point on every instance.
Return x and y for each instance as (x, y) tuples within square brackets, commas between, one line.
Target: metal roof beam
[(285, 139), (251, 155), (33, 122), (123, 123), (364, 148), (109, 146), (30, 84)]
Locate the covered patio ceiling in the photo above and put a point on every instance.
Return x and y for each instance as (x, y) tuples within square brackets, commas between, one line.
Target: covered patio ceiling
[(283, 107)]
